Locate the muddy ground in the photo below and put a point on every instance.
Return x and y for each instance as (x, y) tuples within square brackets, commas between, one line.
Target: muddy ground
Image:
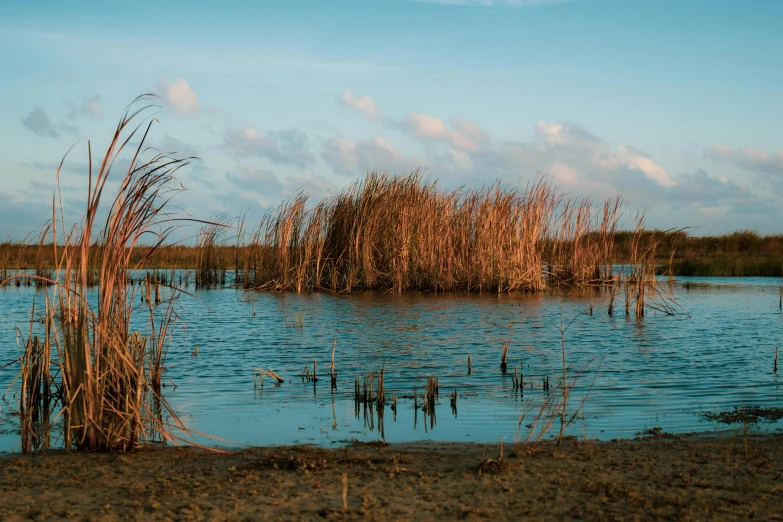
[(659, 478)]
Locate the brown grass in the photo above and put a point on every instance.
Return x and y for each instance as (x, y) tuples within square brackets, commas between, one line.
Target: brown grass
[(211, 266), (405, 233), (108, 377)]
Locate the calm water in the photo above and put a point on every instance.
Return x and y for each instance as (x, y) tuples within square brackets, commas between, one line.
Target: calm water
[(656, 371)]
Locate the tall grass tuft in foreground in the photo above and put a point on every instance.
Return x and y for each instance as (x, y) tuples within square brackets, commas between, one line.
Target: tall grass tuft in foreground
[(402, 233), (105, 375)]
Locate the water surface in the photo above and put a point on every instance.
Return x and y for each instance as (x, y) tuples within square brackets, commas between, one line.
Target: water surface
[(640, 373)]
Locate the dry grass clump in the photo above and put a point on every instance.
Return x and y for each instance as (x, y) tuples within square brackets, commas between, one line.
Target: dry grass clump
[(404, 233), (105, 377), (637, 277), (211, 267)]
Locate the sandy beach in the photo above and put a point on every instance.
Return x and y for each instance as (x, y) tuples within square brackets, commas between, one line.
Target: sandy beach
[(656, 478)]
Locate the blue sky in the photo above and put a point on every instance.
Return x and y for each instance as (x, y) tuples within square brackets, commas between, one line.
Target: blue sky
[(674, 104)]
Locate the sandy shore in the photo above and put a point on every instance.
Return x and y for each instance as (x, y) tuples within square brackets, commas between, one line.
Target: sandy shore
[(690, 478)]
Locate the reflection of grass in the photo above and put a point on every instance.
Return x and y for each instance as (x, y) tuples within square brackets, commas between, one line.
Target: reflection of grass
[(297, 321), (9, 423), (251, 297)]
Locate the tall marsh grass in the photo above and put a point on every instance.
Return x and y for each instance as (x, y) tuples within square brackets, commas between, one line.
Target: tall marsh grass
[(402, 233), (105, 375)]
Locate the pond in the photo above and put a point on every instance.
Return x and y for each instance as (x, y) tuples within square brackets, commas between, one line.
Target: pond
[(631, 374)]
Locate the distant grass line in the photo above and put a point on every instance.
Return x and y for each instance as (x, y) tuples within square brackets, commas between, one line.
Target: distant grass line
[(16, 255), (730, 255), (743, 253), (746, 243), (729, 266)]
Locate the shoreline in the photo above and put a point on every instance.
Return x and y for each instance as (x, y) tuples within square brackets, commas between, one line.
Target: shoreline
[(689, 477)]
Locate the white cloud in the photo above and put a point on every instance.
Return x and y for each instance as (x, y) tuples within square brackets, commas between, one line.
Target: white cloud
[(359, 157), (464, 135), (564, 174), (460, 134), (249, 177), (73, 167), (89, 108), (552, 133), (172, 145), (287, 147), (712, 212), (568, 151), (178, 96), (363, 104), (749, 159), (640, 161), (248, 184), (341, 154), (459, 158), (580, 163)]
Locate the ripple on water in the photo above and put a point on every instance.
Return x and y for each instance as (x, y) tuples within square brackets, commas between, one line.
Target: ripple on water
[(657, 371)]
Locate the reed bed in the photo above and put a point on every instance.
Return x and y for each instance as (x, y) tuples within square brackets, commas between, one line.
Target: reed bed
[(401, 233), (105, 377)]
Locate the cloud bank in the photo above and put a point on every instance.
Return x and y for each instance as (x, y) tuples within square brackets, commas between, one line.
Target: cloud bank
[(581, 163)]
